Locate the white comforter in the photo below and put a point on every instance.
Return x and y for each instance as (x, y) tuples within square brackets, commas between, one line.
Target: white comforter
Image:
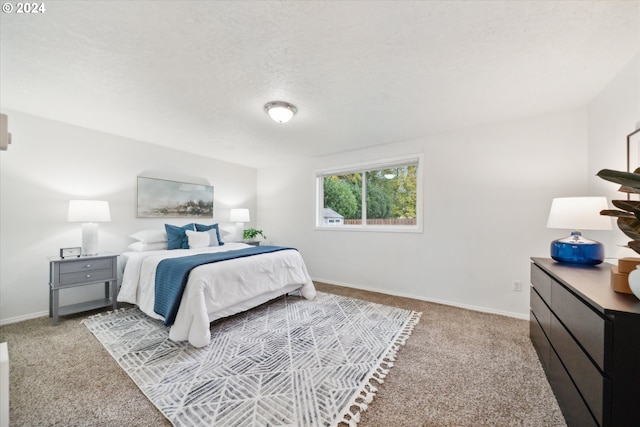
[(214, 290)]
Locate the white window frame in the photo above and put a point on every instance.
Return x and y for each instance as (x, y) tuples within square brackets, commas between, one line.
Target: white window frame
[(362, 167)]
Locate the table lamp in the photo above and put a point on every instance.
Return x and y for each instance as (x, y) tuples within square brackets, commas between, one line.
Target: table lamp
[(89, 212), (239, 216), (578, 213)]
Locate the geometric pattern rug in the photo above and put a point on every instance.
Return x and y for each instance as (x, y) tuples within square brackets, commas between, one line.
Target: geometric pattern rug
[(289, 362)]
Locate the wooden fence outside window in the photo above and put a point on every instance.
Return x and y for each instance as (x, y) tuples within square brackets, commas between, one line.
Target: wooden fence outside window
[(382, 221)]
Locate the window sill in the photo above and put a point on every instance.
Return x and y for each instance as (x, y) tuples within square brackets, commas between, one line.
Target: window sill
[(371, 228)]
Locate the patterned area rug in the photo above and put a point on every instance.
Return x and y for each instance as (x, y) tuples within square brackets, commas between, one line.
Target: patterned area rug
[(290, 362)]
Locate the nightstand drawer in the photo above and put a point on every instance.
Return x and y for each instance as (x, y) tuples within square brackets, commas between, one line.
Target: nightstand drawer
[(85, 265), (86, 276)]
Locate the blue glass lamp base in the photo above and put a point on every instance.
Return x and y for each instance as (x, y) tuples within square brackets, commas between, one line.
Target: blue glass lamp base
[(577, 250)]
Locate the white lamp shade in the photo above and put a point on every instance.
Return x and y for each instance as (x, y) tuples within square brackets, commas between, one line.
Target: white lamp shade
[(88, 211), (579, 213), (239, 215)]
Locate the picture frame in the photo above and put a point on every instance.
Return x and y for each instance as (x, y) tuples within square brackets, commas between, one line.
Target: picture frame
[(161, 198)]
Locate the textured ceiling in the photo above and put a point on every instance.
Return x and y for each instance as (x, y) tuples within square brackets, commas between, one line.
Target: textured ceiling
[(196, 75)]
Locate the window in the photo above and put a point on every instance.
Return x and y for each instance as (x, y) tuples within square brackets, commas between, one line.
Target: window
[(384, 195)]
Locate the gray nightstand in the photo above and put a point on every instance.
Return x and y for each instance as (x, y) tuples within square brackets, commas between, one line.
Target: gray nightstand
[(89, 270)]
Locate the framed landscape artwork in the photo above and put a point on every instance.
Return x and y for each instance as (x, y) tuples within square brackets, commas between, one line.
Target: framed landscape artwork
[(172, 199)]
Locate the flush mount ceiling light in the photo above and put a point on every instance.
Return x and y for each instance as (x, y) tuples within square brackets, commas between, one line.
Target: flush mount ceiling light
[(280, 111)]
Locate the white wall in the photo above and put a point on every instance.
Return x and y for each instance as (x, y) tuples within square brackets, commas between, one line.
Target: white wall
[(487, 195), (50, 163), (614, 114)]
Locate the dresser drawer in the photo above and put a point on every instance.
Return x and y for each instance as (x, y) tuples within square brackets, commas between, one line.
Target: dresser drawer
[(540, 341), (540, 309), (586, 326), (541, 282), (85, 265), (573, 408), (587, 378)]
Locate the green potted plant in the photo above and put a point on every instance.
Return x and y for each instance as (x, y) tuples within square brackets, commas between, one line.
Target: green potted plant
[(250, 234), (628, 212)]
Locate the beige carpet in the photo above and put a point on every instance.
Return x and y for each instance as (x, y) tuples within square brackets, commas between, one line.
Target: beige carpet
[(460, 368)]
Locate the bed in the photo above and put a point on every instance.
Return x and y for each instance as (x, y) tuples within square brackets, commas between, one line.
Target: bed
[(214, 290)]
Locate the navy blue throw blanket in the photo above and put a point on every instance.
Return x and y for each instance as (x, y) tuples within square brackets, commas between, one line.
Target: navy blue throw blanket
[(172, 275)]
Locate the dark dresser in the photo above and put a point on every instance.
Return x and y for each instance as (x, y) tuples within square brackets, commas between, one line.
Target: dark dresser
[(588, 340)]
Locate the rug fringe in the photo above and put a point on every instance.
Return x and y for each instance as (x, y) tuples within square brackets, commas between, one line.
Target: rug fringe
[(361, 400)]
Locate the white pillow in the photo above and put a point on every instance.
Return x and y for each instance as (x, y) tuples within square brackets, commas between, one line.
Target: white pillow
[(198, 239), (150, 236), (141, 246)]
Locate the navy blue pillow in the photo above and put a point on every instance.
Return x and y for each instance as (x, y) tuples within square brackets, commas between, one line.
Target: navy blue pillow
[(202, 227), (177, 236)]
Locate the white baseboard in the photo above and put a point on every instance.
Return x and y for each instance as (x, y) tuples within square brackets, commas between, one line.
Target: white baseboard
[(23, 317), (421, 298)]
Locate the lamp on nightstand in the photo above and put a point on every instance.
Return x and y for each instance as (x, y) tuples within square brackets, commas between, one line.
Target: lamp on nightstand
[(239, 216), (89, 212), (578, 213)]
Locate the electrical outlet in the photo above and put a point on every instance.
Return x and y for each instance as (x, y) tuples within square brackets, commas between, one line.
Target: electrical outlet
[(517, 286)]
